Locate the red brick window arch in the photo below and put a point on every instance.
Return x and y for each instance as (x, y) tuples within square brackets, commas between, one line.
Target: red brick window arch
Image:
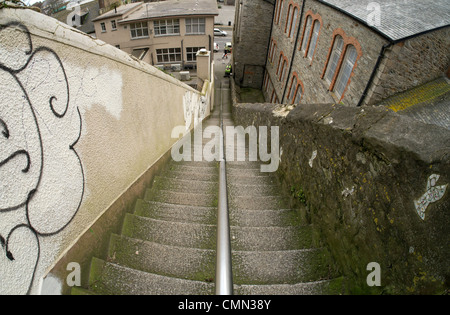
[(341, 62), (291, 20), (282, 67), (311, 33), (278, 9), (296, 90), (272, 49)]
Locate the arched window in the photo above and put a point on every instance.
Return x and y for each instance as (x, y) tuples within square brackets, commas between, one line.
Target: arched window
[(283, 70), (282, 66), (273, 47), (311, 34), (279, 9), (346, 70), (306, 33), (341, 62), (314, 37), (334, 59), (291, 21), (295, 90)]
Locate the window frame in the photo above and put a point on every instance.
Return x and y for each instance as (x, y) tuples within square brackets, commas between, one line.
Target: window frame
[(293, 90), (191, 56), (345, 71), (170, 27), (291, 20), (198, 23), (168, 52), (279, 8), (143, 27), (308, 45), (346, 42)]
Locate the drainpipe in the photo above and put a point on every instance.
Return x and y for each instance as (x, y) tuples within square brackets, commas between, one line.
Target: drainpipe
[(295, 49), (375, 70), (383, 54)]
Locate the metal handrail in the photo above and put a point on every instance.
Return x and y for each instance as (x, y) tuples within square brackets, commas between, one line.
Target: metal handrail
[(224, 275)]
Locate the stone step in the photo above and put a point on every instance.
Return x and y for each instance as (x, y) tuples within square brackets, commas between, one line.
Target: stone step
[(176, 213), (179, 234), (185, 185), (181, 198), (264, 218), (280, 267), (165, 260), (253, 190), (256, 203), (271, 238), (250, 180), (321, 287), (111, 279), (248, 172), (181, 173), (191, 168)]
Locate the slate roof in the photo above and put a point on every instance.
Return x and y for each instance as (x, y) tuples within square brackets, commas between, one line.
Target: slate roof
[(399, 18), (119, 11), (171, 8)]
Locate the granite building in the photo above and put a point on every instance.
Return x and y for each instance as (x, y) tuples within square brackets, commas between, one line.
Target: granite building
[(339, 51)]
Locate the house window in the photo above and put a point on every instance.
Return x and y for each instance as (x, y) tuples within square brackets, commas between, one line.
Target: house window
[(270, 90), (341, 62), (279, 9), (103, 26), (273, 47), (191, 53), (306, 33), (113, 25), (334, 59), (346, 70), (283, 70), (295, 90), (195, 26), (282, 67), (291, 21), (139, 30), (167, 27), (311, 34), (168, 55), (314, 37)]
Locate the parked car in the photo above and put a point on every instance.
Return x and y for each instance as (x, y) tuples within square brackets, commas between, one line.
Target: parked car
[(218, 32), (216, 47)]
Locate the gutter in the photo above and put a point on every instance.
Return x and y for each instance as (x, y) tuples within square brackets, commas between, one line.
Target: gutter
[(383, 54)]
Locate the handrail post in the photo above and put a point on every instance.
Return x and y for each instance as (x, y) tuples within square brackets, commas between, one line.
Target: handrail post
[(224, 275)]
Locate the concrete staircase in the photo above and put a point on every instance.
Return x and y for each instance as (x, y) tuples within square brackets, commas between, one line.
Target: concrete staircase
[(168, 245)]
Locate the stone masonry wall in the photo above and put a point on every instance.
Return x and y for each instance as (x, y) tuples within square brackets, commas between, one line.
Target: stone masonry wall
[(359, 171), (310, 71), (412, 63), (251, 39)]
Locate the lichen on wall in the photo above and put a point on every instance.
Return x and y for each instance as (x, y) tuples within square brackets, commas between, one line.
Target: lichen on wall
[(373, 184)]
